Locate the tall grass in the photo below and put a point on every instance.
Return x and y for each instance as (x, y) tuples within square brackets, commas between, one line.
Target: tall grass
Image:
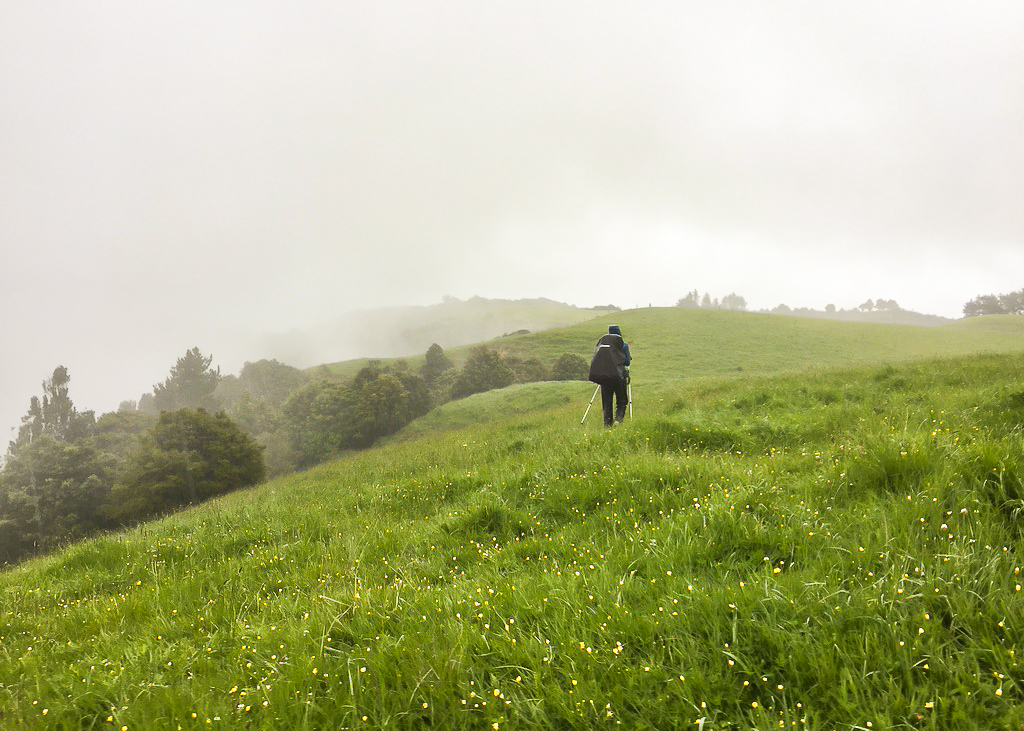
[(835, 549)]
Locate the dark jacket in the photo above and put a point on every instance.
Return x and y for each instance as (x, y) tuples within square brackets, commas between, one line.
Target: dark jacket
[(611, 358)]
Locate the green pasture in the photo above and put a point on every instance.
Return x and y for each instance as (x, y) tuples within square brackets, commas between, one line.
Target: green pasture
[(675, 342), (808, 525)]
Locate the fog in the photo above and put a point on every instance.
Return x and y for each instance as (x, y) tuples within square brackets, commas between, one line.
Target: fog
[(194, 174)]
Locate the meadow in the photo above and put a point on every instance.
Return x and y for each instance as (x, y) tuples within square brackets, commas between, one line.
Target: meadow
[(807, 525)]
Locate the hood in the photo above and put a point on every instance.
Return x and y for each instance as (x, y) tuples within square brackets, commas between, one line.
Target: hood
[(614, 330)]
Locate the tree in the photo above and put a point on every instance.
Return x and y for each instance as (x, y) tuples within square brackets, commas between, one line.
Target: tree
[(830, 309), (706, 301), (734, 301), (985, 304), (54, 479), (570, 367), (189, 456), (191, 384), (526, 370), (383, 400), (54, 414), (317, 418), (692, 299), (435, 363), (484, 370), (52, 491), (1013, 303), (866, 306)]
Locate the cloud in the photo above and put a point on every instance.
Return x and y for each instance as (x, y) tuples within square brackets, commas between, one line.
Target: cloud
[(172, 173)]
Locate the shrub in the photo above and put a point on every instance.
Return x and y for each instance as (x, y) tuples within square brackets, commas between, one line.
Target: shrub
[(570, 367)]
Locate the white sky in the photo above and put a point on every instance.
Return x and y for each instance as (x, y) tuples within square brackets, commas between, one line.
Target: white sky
[(179, 174)]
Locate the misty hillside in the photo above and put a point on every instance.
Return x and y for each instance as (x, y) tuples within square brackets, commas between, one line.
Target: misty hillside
[(808, 525), (678, 342), (405, 331)]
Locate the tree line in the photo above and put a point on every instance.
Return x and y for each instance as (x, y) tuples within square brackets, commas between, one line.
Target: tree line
[(731, 301), (68, 474), (1011, 303)]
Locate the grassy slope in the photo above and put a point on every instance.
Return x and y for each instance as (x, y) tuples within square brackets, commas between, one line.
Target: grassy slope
[(674, 342), (819, 549)]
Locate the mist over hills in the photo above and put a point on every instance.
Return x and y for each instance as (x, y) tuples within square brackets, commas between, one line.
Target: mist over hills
[(393, 332), (400, 331)]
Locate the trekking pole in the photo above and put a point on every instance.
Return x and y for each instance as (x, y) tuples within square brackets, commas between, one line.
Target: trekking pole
[(629, 393), (592, 403)]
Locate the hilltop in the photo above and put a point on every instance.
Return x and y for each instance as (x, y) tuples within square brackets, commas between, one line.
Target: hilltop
[(809, 525)]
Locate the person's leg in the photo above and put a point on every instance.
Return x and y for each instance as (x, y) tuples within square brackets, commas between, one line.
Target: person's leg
[(607, 394), (621, 400)]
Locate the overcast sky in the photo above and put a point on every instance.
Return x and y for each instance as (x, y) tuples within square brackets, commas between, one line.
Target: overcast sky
[(178, 174)]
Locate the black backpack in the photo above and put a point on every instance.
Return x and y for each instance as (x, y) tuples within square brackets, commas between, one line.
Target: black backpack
[(609, 362)]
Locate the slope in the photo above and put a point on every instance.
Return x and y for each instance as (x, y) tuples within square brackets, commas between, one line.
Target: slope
[(820, 548)]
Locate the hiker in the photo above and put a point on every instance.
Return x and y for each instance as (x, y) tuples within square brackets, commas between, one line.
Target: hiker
[(610, 369)]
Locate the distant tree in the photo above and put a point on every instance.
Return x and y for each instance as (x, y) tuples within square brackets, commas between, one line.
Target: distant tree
[(323, 418), (54, 414), (317, 417), (570, 367), (734, 301), (985, 304), (128, 405), (866, 306), (270, 380), (1013, 303), (435, 363), (830, 309), (191, 384), (706, 301), (692, 299), (147, 405), (383, 400), (782, 309), (189, 456), (255, 398), (526, 370), (484, 370)]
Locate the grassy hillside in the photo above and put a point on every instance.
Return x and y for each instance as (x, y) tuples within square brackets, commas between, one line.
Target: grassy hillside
[(786, 546), (675, 342)]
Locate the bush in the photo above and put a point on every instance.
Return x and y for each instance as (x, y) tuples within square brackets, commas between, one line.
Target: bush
[(484, 370), (188, 457), (570, 367)]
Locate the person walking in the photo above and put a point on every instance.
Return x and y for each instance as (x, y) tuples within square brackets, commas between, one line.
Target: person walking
[(609, 368)]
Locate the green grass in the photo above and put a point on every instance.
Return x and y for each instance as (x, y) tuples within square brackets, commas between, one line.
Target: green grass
[(790, 546), (674, 342)]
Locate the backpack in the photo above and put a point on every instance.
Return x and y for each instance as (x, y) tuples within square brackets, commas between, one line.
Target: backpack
[(609, 362)]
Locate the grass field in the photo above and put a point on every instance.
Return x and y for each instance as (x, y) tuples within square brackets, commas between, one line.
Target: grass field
[(674, 342), (828, 538)]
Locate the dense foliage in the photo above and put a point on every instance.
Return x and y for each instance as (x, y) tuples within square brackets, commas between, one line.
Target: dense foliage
[(326, 417), (188, 457), (68, 475), (484, 370)]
